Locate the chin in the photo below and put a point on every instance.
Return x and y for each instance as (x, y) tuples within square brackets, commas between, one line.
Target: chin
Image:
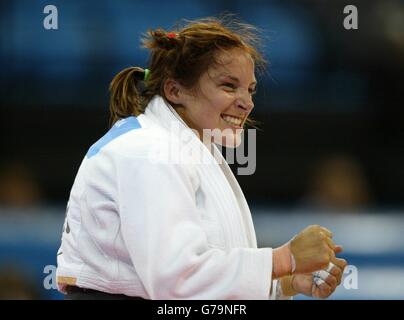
[(229, 138)]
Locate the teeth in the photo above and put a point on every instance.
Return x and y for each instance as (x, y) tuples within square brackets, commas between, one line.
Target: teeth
[(232, 120)]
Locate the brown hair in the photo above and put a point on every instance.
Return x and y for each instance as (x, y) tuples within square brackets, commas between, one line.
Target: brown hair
[(184, 55)]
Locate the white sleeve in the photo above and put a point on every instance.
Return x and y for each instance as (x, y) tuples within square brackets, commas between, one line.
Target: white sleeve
[(161, 227)]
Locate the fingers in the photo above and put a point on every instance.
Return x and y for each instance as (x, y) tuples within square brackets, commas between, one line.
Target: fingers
[(334, 270), (334, 261), (327, 232), (338, 269), (332, 275), (329, 235), (331, 244), (334, 247), (322, 276), (332, 281), (322, 291), (340, 263), (324, 284), (325, 290)]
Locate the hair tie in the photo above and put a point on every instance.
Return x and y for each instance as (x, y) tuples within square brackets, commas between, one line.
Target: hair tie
[(146, 74), (171, 35)]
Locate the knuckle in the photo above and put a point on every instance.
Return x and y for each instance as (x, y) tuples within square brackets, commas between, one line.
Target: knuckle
[(323, 263), (337, 273), (338, 278), (325, 292), (332, 281)]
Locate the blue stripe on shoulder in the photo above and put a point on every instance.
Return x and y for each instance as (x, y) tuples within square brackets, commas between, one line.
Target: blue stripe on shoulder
[(119, 128)]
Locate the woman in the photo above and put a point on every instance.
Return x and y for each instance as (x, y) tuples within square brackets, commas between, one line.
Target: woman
[(146, 223)]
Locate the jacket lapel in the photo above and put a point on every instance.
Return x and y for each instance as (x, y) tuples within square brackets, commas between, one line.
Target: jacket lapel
[(236, 219)]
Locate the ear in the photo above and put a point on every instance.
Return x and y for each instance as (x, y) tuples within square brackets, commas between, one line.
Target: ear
[(173, 91)]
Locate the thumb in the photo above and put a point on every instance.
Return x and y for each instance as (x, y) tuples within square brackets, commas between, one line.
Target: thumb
[(338, 249)]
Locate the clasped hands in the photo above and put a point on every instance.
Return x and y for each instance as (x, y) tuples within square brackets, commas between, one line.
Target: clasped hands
[(307, 264)]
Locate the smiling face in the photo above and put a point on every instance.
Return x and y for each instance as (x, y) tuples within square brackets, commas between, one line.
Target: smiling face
[(222, 100)]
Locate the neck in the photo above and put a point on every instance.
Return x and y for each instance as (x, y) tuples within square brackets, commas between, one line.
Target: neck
[(206, 140)]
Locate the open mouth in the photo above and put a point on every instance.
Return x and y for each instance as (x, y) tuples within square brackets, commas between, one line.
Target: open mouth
[(232, 121)]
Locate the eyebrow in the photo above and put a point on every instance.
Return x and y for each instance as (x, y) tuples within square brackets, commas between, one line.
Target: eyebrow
[(236, 79)]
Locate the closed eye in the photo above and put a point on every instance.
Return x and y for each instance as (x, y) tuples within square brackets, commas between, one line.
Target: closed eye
[(229, 85), (252, 91)]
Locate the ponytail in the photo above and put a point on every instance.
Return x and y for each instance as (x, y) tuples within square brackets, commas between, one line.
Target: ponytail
[(125, 99)]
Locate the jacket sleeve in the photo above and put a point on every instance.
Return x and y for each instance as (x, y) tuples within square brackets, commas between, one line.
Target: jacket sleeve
[(163, 232)]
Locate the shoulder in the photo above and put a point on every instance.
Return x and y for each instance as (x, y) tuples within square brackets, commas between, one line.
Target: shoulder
[(131, 137), (152, 142), (149, 153)]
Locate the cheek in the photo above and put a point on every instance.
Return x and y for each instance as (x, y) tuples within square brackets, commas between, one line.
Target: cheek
[(211, 106), (219, 100), (224, 102), (211, 112)]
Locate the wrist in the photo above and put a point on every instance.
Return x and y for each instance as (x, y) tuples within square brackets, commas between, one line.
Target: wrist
[(287, 286), (282, 261)]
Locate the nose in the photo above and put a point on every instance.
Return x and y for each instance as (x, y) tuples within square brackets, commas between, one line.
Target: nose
[(245, 102)]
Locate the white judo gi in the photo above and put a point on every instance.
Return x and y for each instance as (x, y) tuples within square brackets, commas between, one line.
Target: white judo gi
[(140, 225)]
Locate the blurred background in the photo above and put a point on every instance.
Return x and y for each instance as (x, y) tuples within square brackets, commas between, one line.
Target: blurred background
[(330, 149)]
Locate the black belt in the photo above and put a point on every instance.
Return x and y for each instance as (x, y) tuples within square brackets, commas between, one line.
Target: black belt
[(77, 293)]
